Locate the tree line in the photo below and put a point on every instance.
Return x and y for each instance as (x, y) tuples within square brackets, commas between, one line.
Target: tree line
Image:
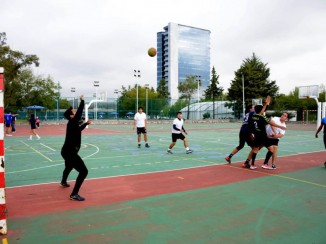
[(24, 88)]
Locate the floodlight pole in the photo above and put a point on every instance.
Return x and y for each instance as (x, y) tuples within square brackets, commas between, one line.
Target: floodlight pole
[(73, 89), (243, 96), (136, 74), (96, 85), (198, 80), (116, 91)]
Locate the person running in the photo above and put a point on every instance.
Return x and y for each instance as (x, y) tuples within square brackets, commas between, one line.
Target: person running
[(275, 134), (258, 124), (71, 148), (141, 123), (8, 123), (244, 134), (32, 123), (322, 124), (177, 130)]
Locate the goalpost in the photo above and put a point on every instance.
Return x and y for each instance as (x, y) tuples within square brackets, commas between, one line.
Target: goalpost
[(3, 208), (306, 92)]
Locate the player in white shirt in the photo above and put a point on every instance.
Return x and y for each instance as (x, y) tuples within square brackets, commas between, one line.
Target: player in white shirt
[(274, 134), (177, 130), (140, 122)]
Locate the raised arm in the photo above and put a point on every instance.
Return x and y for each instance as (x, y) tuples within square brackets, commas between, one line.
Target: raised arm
[(267, 102), (319, 129), (80, 109)]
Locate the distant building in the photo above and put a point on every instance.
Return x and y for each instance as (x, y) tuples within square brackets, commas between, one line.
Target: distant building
[(181, 51)]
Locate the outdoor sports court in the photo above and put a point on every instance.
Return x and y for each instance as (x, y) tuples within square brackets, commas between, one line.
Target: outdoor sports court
[(148, 196)]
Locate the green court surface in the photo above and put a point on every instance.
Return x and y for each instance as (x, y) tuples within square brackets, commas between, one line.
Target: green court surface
[(285, 208), (35, 162)]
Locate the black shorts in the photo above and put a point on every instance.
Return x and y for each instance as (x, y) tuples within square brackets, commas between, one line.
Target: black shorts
[(141, 130), (273, 141), (175, 137), (7, 125)]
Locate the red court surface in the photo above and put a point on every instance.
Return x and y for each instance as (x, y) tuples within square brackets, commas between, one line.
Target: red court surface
[(45, 198)]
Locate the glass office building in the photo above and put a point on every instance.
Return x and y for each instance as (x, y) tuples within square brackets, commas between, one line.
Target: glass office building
[(181, 51)]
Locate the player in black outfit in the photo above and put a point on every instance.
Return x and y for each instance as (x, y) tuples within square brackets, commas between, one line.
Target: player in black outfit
[(70, 150), (257, 125)]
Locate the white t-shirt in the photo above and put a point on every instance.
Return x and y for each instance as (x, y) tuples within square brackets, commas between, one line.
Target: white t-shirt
[(178, 123), (277, 120), (140, 119)]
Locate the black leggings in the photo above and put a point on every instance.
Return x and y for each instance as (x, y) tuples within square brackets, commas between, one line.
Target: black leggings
[(243, 138), (74, 162)]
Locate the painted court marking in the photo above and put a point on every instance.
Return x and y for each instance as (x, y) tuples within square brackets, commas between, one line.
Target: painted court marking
[(37, 151), (48, 147)]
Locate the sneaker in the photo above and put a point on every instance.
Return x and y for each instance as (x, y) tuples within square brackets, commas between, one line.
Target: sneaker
[(169, 152), (266, 166), (228, 159), (8, 135), (146, 145), (139, 145), (273, 166), (189, 151), (77, 198), (64, 184), (245, 165), (30, 139), (38, 138), (253, 167)]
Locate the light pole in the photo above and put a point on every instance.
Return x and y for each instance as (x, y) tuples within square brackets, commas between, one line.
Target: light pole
[(146, 87), (198, 81), (116, 91), (243, 96), (96, 85), (73, 89), (137, 74)]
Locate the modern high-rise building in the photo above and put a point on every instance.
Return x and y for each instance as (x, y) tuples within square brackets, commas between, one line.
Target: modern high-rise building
[(181, 51)]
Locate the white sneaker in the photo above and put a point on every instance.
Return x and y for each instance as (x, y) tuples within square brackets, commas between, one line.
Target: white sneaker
[(253, 167), (38, 138), (266, 166)]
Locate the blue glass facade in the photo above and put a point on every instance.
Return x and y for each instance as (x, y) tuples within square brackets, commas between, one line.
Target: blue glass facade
[(182, 51)]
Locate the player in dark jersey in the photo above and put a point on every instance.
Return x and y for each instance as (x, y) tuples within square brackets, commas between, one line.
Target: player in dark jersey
[(257, 125), (244, 134)]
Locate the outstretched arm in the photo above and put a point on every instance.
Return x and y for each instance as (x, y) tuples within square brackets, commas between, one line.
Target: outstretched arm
[(267, 102), (80, 109)]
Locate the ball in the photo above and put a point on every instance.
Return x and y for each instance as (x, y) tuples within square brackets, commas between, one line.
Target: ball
[(152, 52)]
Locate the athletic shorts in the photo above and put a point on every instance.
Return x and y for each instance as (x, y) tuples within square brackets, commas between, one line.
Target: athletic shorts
[(175, 137), (141, 130), (273, 141), (7, 125)]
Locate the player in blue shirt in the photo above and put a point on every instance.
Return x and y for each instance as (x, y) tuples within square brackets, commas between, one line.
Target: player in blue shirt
[(8, 121)]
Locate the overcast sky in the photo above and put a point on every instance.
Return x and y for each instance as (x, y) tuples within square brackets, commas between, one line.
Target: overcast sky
[(81, 41)]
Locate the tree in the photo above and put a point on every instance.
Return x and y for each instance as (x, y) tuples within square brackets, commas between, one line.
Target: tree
[(213, 90), (32, 90), (256, 82), (13, 62), (162, 89), (187, 89)]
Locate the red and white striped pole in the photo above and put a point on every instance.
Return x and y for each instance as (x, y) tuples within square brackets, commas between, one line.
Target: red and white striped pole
[(3, 209)]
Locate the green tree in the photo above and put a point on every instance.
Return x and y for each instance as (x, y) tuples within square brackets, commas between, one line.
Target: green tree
[(33, 90), (187, 89), (213, 91), (256, 82), (13, 62), (162, 89)]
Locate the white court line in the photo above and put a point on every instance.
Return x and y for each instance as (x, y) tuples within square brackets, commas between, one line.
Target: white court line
[(25, 170), (48, 147), (97, 150), (37, 151)]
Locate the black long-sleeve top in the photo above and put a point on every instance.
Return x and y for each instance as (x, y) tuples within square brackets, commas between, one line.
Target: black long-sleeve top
[(73, 133)]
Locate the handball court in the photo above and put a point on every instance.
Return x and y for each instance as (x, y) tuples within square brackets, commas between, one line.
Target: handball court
[(147, 196)]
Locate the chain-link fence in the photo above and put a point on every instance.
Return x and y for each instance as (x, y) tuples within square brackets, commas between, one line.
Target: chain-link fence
[(160, 109)]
